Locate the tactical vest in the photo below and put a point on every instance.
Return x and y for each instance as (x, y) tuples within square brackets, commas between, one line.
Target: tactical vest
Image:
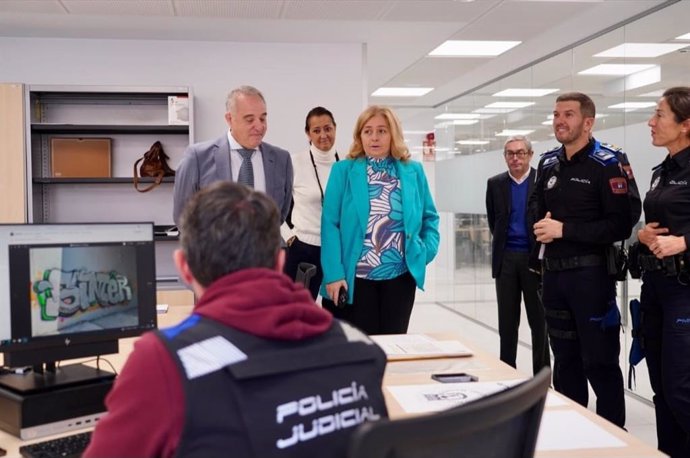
[(247, 396)]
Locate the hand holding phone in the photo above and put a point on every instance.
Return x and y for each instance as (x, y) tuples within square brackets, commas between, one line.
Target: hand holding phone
[(460, 377), (342, 297)]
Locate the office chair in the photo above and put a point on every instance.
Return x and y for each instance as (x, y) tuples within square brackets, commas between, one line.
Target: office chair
[(502, 425), (305, 272)]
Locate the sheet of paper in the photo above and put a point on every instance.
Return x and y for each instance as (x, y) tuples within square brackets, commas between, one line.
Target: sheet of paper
[(419, 345), (570, 430), (554, 400), (441, 396)]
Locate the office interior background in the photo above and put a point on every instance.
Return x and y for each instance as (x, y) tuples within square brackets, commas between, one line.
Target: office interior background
[(343, 55)]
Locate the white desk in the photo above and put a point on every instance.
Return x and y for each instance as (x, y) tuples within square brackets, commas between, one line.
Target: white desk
[(487, 367)]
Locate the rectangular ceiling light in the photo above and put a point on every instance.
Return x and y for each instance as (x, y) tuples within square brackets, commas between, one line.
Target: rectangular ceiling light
[(516, 92), (464, 122), (473, 142), (493, 111), (656, 94), (615, 69), (458, 116), (472, 48), (684, 37), (511, 132), (630, 50), (401, 91), (514, 105), (632, 105)]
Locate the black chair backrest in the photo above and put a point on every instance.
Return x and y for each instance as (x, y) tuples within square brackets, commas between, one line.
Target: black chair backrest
[(305, 271), (502, 425)]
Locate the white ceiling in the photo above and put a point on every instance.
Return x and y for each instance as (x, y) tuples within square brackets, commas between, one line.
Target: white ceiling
[(398, 33)]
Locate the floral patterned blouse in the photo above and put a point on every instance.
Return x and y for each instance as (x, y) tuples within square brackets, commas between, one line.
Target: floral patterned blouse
[(383, 254)]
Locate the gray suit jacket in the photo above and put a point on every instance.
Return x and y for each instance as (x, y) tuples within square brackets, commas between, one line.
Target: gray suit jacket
[(207, 162)]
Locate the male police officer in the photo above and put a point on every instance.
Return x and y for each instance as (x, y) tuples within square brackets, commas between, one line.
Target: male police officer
[(582, 205), (258, 369)]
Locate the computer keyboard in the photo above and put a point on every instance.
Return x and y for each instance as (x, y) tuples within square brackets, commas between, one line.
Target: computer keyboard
[(62, 447)]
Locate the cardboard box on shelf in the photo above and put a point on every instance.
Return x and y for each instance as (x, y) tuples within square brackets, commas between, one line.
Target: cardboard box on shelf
[(80, 157)]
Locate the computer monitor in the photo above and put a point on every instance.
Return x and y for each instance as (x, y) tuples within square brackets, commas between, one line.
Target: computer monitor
[(72, 290)]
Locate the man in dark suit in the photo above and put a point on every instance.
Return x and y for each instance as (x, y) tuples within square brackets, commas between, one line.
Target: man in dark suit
[(240, 155), (506, 207)]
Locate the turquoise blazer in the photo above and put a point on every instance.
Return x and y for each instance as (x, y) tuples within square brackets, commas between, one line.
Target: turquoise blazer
[(346, 214)]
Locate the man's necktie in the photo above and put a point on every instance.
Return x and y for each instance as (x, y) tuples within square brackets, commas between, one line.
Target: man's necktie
[(246, 175)]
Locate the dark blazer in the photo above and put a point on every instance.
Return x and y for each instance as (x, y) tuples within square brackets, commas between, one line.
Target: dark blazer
[(498, 203), (207, 162)]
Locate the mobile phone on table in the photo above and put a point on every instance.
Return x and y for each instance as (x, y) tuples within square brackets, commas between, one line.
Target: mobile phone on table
[(458, 377)]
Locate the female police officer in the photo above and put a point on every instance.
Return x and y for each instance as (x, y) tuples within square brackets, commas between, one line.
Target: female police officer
[(664, 257)]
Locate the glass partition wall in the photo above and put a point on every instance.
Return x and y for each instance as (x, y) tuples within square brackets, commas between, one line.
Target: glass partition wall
[(624, 71)]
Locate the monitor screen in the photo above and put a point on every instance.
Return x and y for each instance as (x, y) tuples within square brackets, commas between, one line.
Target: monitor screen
[(67, 289)]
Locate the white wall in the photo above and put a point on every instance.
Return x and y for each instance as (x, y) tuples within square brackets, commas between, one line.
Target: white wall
[(293, 77)]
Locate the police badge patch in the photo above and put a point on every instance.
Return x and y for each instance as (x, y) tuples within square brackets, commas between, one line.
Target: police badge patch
[(619, 185), (552, 182), (655, 184)]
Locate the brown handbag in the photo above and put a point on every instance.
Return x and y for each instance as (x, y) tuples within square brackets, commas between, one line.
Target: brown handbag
[(155, 165)]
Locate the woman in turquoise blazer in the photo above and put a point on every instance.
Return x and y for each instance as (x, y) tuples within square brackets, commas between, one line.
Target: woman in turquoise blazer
[(379, 228)]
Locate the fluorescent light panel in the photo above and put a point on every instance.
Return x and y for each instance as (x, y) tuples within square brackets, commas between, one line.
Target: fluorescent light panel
[(515, 105), (464, 122), (632, 105), (656, 94), (401, 91), (684, 37), (615, 69), (458, 116), (631, 50), (517, 92), (472, 48), (511, 132), (494, 111), (473, 142)]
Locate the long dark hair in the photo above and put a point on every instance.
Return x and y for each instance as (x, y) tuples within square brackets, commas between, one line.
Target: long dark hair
[(317, 111)]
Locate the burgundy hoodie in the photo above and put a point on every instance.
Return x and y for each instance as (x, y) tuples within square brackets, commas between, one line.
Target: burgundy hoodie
[(146, 405)]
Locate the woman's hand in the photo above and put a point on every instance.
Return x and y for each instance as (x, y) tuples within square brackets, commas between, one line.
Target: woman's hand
[(648, 234), (667, 245), (334, 288)]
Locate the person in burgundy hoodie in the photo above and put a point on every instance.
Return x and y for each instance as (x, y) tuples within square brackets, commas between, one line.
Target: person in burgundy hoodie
[(258, 369)]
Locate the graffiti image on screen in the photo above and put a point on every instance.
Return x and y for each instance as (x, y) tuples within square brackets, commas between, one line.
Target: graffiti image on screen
[(84, 288)]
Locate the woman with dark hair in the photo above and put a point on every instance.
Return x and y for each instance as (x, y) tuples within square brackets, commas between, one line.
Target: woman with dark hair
[(379, 227), (665, 262), (311, 168)]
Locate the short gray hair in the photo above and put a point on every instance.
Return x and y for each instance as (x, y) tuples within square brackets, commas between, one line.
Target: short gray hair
[(231, 100), (518, 138)]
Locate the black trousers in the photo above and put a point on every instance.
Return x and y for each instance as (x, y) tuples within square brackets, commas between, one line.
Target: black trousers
[(516, 280), (666, 333), (584, 338), (379, 306), (303, 252)]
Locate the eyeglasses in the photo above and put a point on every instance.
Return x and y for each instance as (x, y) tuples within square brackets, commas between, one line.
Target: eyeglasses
[(520, 154)]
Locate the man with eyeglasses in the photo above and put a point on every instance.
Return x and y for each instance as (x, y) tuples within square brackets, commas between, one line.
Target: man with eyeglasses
[(512, 241), (584, 201)]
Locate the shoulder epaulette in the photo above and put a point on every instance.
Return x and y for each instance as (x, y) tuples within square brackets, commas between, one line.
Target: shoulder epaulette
[(604, 156), (550, 157), (607, 146)]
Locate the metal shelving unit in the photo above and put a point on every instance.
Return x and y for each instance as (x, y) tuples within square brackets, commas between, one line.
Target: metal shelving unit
[(133, 118)]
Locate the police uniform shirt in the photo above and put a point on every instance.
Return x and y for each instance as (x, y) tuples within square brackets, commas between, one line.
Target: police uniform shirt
[(588, 194), (668, 199)]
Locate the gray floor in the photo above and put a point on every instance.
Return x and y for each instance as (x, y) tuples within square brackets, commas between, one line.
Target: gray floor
[(433, 317)]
